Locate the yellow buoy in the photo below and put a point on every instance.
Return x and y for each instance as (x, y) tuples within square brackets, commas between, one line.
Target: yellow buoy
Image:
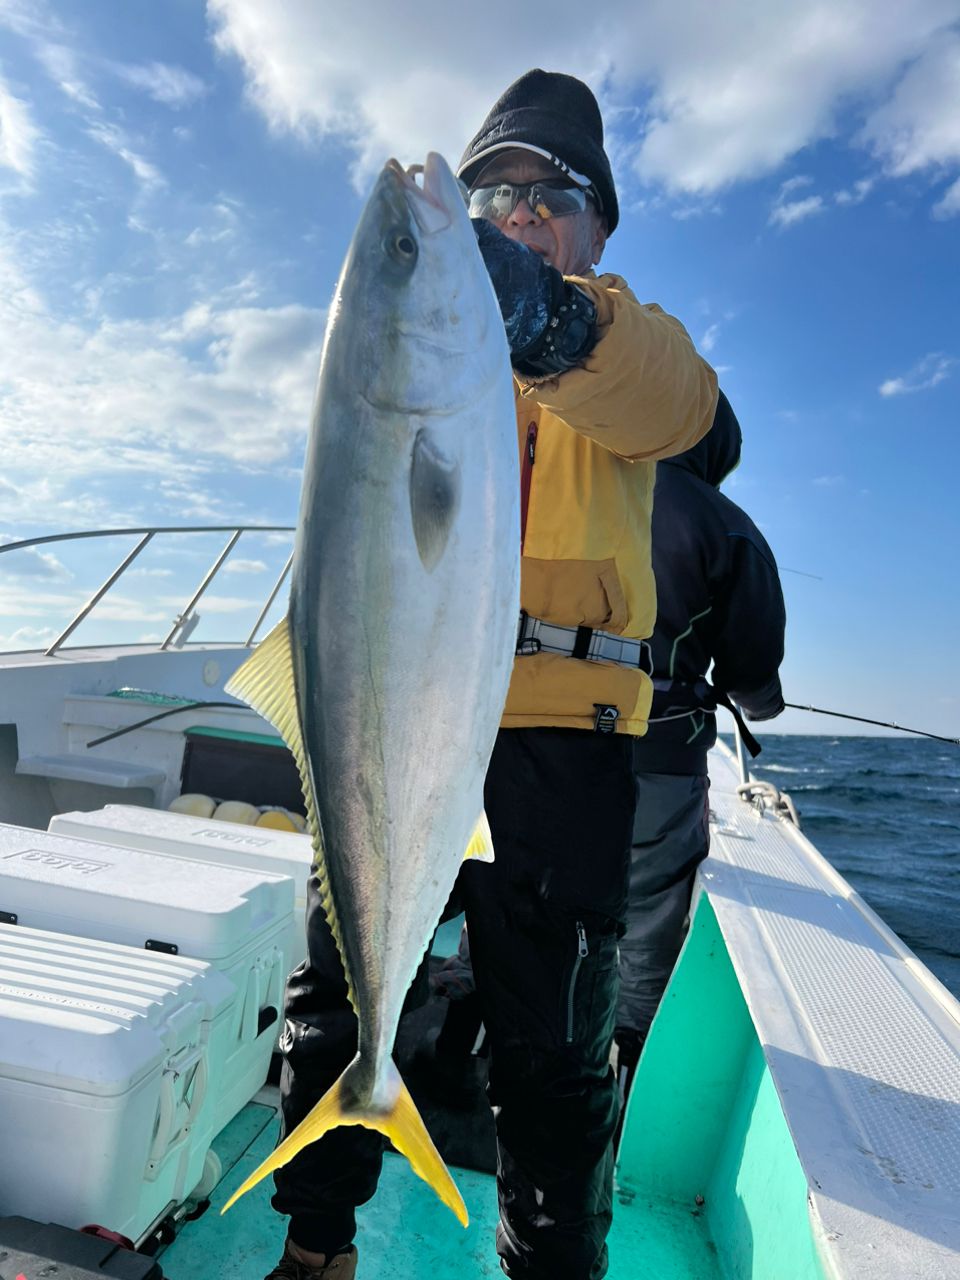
[(194, 805), (237, 811), (277, 820)]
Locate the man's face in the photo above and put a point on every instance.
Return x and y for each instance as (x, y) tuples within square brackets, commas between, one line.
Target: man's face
[(573, 243)]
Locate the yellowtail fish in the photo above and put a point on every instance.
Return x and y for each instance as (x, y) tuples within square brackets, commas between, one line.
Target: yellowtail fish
[(388, 676)]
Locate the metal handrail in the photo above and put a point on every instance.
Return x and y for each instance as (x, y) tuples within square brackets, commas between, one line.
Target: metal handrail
[(98, 595), (269, 601), (170, 528), (184, 618)]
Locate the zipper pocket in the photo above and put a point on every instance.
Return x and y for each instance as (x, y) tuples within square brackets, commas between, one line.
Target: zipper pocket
[(582, 952)]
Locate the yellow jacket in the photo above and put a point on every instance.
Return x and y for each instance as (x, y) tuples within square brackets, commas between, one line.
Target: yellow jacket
[(589, 441)]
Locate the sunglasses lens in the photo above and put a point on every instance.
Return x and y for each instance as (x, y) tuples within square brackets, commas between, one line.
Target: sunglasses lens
[(497, 203), (493, 202), (560, 201)]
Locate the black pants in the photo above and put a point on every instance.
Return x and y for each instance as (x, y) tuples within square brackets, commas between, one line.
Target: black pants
[(671, 838), (543, 922)]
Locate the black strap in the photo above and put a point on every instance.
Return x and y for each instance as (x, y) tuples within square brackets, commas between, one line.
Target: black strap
[(581, 645), (749, 741)]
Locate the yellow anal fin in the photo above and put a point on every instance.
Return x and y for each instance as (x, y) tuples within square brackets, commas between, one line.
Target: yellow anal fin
[(403, 1126), (480, 845)]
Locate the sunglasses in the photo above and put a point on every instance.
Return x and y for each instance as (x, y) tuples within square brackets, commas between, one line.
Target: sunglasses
[(546, 198)]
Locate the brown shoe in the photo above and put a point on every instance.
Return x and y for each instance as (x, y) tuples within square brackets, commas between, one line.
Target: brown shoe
[(343, 1266)]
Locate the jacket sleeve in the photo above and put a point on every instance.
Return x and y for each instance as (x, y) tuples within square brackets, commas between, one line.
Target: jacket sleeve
[(643, 391), (748, 646)]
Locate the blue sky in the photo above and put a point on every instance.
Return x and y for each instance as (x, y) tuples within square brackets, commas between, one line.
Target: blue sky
[(178, 186)]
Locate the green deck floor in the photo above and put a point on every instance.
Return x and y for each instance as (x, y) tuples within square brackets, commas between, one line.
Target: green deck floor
[(405, 1232), (704, 1122)]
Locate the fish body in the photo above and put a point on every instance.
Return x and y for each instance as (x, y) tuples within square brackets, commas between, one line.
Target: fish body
[(389, 674)]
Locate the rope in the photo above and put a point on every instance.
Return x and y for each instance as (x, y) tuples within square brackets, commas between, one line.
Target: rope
[(765, 793)]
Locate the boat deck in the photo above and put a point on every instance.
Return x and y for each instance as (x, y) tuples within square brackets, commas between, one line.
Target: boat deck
[(405, 1231)]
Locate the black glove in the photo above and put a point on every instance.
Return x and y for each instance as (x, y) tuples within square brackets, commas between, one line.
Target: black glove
[(525, 285), (550, 324)]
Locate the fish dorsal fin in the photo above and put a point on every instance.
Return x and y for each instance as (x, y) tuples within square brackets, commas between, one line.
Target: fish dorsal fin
[(434, 497), (266, 683), (480, 845)]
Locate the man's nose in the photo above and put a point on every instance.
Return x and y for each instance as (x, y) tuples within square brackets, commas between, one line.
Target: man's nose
[(523, 215)]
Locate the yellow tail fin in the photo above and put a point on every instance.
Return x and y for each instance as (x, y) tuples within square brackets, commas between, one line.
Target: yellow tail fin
[(403, 1126)]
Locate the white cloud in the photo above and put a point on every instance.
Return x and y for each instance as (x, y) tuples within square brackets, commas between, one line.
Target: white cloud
[(27, 638), (735, 89), (857, 194), (164, 403), (173, 86), (926, 373), (949, 204), (214, 603), (18, 134), (114, 140), (224, 223), (785, 213), (919, 126), (62, 65), (25, 17), (30, 562), (709, 339), (244, 566), (829, 481)]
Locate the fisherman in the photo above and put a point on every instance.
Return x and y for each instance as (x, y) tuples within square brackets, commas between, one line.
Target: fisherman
[(604, 385), (718, 600)]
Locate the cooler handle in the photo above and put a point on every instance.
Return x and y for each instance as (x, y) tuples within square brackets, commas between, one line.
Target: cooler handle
[(167, 1130), (264, 989)]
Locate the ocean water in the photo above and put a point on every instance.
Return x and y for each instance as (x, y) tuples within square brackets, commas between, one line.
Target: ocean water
[(886, 813)]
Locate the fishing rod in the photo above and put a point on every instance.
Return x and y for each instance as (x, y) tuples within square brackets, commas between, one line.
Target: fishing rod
[(884, 724)]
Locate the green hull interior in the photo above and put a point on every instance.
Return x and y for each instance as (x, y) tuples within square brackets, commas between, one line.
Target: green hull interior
[(708, 1185)]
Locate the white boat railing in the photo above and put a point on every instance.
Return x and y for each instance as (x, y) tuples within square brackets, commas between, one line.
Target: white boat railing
[(186, 619)]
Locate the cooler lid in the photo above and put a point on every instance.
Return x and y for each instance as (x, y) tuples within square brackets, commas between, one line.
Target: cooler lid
[(135, 897), (283, 852), (94, 1017)]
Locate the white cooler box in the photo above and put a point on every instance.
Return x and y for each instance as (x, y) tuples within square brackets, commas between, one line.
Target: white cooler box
[(229, 843), (240, 922), (106, 1113)]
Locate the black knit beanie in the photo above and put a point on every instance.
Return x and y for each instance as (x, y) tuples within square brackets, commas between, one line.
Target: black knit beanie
[(556, 114)]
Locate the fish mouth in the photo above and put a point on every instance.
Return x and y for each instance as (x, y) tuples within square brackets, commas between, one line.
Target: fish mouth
[(429, 202)]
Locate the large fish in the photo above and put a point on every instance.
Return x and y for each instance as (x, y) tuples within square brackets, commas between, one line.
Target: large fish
[(388, 676)]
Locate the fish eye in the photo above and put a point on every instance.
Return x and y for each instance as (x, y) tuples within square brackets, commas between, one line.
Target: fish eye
[(402, 247)]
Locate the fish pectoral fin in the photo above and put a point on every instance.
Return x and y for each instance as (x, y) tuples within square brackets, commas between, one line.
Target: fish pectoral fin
[(434, 497), (480, 844), (402, 1125)]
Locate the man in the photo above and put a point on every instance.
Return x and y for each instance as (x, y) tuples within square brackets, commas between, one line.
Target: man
[(604, 386), (719, 600)]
